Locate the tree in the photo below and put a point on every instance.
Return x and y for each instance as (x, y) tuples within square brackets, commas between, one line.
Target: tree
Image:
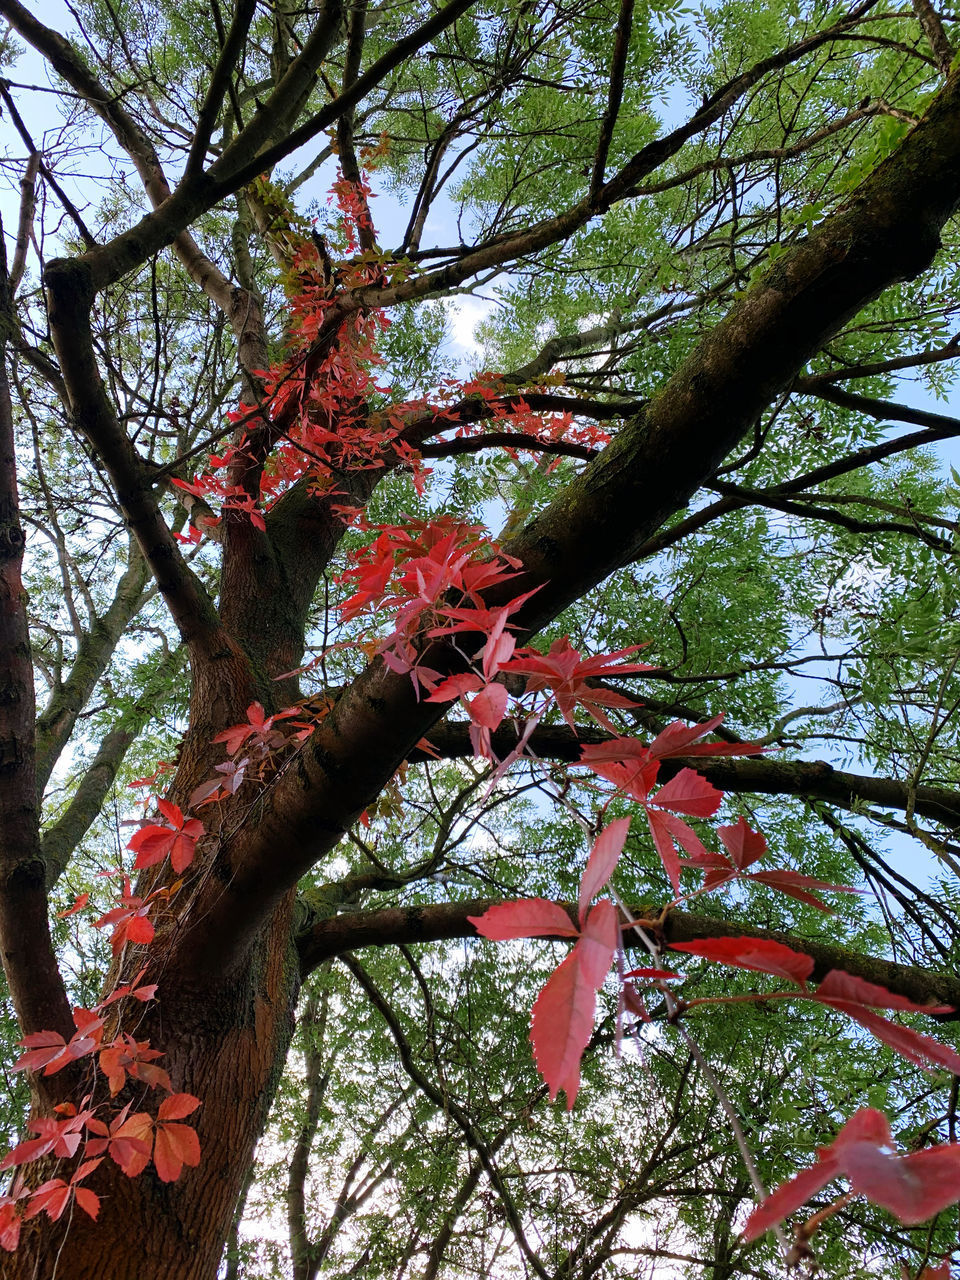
[(702, 293)]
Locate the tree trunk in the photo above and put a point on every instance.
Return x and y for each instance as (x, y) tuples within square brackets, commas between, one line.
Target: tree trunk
[(228, 1049)]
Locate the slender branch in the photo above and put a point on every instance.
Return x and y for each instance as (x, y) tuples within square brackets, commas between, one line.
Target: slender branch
[(451, 1107), (29, 962), (929, 19), (217, 87), (618, 64)]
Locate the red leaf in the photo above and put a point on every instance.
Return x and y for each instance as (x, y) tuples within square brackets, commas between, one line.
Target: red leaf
[(42, 1047), (52, 1197), (660, 830), (840, 985), (151, 844), (78, 905), (913, 1046), (9, 1225), (562, 1020), (172, 812), (762, 954), (688, 793), (177, 1106), (175, 1145), (913, 1187), (488, 707), (131, 1142), (602, 861), (88, 1201), (795, 885), (528, 918), (678, 739), (787, 1199), (744, 846)]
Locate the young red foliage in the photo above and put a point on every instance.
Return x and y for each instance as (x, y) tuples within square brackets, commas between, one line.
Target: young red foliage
[(152, 843), (568, 677), (913, 1187), (562, 1020)]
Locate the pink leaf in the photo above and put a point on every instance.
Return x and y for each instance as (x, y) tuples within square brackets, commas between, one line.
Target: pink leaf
[(913, 1046), (562, 1020), (762, 954), (528, 918), (660, 830), (840, 985), (602, 861), (688, 793), (743, 845), (787, 1199), (913, 1187), (488, 707)]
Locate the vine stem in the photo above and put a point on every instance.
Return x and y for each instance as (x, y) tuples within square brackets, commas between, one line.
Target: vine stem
[(711, 1077)]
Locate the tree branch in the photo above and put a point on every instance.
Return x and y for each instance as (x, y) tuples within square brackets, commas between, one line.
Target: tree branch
[(809, 779), (322, 939)]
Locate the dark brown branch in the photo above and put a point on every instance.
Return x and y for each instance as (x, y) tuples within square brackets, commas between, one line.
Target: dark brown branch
[(70, 299), (29, 962), (618, 63), (942, 424), (806, 509), (395, 926), (506, 440), (356, 17), (217, 87), (809, 779)]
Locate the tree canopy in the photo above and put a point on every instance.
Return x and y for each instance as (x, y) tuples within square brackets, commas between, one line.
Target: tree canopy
[(322, 635)]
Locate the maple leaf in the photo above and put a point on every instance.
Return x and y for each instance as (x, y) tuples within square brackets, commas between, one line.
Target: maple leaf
[(913, 1187)]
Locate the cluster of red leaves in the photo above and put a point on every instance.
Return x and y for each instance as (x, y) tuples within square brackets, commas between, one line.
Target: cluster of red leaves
[(839, 990), (913, 1187), (506, 409), (130, 1140)]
